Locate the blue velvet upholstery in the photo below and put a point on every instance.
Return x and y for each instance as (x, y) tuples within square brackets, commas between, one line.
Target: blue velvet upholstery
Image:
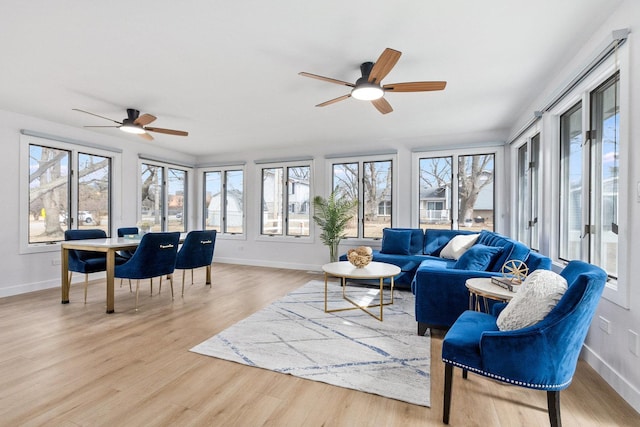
[(155, 256), (542, 356), (396, 242), (511, 248), (435, 240), (196, 251), (87, 262), (477, 257)]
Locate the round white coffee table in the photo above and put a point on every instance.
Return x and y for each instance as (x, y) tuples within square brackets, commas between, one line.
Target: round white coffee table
[(345, 270), (481, 287)]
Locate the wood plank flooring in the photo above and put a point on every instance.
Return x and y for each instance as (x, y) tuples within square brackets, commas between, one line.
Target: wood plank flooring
[(74, 365)]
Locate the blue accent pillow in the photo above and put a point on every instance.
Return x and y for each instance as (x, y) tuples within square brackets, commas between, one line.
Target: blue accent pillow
[(478, 257), (396, 242)]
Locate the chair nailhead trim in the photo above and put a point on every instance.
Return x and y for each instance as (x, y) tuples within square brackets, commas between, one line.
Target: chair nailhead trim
[(507, 380)]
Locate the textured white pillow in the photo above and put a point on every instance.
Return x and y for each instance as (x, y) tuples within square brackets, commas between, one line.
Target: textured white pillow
[(458, 245), (537, 296)]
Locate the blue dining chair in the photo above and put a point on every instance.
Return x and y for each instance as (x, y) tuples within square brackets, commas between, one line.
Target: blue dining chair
[(154, 257), (87, 262), (542, 356), (196, 252), (125, 231)]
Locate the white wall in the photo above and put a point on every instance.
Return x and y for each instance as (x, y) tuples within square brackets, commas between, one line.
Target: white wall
[(609, 354)]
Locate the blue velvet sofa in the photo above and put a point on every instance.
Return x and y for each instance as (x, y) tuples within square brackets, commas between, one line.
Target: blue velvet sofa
[(439, 283)]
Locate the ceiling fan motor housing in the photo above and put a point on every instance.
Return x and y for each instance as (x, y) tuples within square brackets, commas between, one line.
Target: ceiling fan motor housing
[(132, 114)]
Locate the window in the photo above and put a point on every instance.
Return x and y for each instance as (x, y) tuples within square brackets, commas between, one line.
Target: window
[(69, 188), (286, 186), (435, 178), (589, 173), (527, 197), (370, 183), (224, 201), (467, 178), (162, 204)]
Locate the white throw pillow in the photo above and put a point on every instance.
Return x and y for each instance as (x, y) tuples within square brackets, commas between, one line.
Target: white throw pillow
[(458, 245), (537, 296)]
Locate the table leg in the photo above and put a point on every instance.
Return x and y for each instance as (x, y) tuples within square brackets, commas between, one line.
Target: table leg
[(111, 269), (381, 297), (64, 284)]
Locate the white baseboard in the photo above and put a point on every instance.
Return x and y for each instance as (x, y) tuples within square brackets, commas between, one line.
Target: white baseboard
[(626, 390)]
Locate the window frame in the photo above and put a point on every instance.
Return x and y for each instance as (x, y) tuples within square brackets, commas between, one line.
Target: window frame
[(285, 192), (496, 150), (75, 148), (616, 290), (361, 160), (527, 204), (165, 192), (223, 170)]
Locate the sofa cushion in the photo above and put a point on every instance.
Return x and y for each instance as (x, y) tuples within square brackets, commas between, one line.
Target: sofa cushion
[(417, 239), (478, 257), (538, 295), (405, 262), (458, 246), (511, 249), (396, 242), (435, 240)]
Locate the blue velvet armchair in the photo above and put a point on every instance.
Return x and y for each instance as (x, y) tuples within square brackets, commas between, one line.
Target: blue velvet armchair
[(87, 262), (542, 356), (154, 257), (196, 252)]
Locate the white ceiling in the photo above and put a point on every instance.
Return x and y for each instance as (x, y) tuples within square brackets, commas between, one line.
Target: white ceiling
[(227, 71)]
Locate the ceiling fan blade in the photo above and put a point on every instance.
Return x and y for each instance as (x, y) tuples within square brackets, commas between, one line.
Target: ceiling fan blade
[(167, 131), (334, 100), (326, 79), (383, 65), (146, 136), (144, 119), (93, 114), (414, 86), (382, 105)]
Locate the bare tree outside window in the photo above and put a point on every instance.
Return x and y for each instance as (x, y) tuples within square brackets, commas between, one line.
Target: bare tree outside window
[(475, 191)]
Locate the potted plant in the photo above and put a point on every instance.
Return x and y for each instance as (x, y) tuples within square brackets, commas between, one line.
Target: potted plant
[(332, 215)]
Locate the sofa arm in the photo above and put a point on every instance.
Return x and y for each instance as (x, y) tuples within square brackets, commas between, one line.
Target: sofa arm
[(441, 294)]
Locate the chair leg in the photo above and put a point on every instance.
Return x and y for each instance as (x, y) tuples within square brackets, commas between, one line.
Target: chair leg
[(160, 288), (130, 290), (171, 281), (151, 286), (448, 379), (137, 288), (465, 374), (192, 276), (183, 273), (553, 403), (69, 282), (86, 285)]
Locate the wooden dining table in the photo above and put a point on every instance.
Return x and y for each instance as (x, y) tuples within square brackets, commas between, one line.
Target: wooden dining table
[(109, 246)]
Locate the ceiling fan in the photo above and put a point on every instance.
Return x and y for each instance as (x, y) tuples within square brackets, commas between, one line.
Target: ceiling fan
[(136, 123), (368, 86)]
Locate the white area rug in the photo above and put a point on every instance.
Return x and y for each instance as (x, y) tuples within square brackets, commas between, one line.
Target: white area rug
[(348, 349)]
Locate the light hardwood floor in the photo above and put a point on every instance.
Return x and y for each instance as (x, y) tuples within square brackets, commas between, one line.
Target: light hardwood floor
[(74, 365)]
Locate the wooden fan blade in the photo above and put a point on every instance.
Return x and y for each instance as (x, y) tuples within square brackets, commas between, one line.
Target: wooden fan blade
[(144, 119), (382, 105), (414, 86), (383, 65), (146, 136), (326, 79), (167, 131), (93, 114), (334, 100)]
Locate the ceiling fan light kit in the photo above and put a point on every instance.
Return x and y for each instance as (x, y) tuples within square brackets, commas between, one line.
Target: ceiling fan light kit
[(368, 88)]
